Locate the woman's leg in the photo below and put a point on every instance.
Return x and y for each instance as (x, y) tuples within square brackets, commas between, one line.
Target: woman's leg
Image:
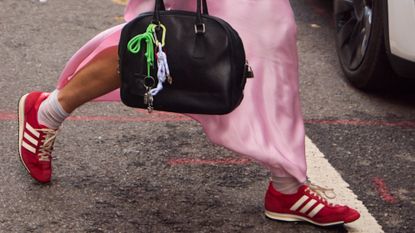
[(90, 73), (94, 80), (268, 125), (40, 114)]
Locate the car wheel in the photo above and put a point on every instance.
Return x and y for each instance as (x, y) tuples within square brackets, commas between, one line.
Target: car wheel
[(360, 42)]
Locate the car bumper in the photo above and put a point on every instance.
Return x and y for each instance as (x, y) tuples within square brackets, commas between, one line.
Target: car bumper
[(401, 36), (402, 67), (401, 15)]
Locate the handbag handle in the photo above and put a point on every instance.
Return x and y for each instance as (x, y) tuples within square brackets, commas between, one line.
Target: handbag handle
[(161, 6), (204, 2), (199, 25)]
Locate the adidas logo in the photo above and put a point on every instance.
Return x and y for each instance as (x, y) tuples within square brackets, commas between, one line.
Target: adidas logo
[(308, 205), (33, 139)]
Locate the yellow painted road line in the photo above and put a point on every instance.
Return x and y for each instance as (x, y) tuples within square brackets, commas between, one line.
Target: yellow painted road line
[(120, 2)]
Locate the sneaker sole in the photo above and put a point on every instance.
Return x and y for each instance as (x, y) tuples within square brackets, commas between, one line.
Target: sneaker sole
[(21, 114), (295, 218)]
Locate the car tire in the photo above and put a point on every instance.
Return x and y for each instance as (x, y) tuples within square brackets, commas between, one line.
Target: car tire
[(360, 42)]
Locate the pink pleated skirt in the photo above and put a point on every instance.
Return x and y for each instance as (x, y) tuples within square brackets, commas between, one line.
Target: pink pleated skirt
[(268, 125)]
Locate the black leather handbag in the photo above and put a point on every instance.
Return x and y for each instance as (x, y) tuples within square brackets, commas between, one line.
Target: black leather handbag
[(206, 60)]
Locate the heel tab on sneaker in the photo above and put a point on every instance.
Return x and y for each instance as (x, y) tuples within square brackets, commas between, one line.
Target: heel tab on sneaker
[(41, 97), (44, 95)]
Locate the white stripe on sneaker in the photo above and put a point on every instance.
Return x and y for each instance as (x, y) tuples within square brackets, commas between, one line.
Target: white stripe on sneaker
[(28, 147), (32, 130), (308, 206), (299, 203), (316, 210), (30, 139)]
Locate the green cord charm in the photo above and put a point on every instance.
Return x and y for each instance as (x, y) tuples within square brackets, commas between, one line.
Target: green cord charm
[(134, 45), (150, 37)]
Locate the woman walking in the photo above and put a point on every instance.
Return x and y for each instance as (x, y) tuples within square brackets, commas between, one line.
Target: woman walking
[(267, 126)]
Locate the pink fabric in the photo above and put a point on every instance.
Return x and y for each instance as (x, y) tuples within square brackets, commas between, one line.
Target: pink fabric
[(268, 125)]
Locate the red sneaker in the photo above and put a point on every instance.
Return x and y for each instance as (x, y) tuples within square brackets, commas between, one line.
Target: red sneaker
[(306, 205), (35, 140)]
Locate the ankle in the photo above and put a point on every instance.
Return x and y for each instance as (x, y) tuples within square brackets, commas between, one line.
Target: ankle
[(286, 185), (66, 100), (51, 113)]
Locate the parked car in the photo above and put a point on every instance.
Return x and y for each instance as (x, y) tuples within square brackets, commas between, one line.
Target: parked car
[(375, 40)]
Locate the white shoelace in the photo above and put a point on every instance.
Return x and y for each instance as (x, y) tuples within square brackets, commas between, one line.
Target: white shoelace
[(46, 147), (320, 192)]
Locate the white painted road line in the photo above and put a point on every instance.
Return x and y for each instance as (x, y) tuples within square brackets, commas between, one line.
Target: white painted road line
[(322, 173)]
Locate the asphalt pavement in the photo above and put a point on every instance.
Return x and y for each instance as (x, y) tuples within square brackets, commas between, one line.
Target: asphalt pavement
[(118, 169)]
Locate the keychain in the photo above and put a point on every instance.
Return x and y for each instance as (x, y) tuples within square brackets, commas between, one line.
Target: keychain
[(163, 72), (134, 46)]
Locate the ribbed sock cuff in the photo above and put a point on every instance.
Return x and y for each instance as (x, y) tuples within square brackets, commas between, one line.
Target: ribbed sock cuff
[(51, 112)]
